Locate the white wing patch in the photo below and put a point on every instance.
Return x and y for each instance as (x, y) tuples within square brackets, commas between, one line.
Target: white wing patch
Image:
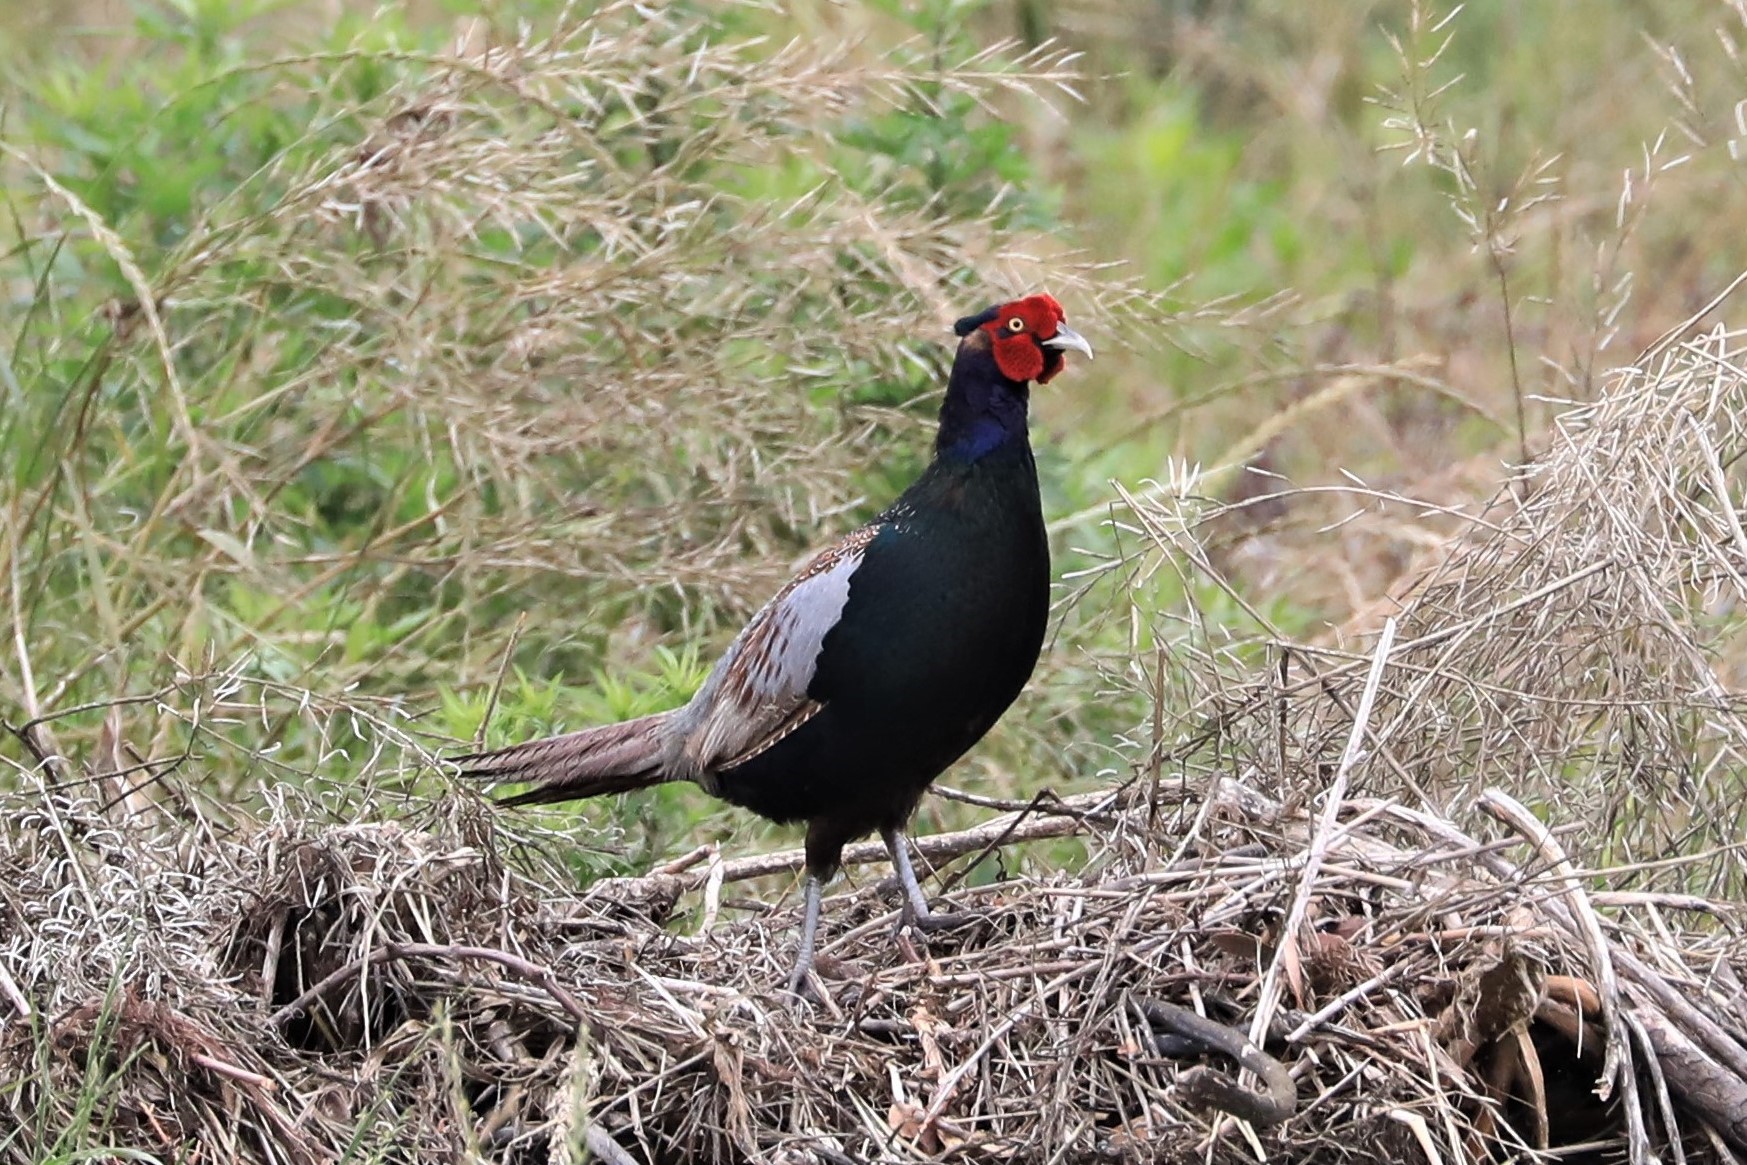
[(757, 692)]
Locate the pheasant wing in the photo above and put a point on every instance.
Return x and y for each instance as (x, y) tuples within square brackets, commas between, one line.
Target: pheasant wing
[(758, 691)]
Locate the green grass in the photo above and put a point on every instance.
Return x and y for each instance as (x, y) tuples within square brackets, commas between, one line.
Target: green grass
[(346, 383)]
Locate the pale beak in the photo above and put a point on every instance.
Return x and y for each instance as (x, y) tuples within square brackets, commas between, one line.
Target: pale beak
[(1066, 337)]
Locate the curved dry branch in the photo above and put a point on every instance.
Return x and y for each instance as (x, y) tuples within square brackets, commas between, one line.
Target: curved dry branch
[(1277, 1100)]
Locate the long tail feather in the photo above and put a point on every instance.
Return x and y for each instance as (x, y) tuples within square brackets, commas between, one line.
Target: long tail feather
[(595, 761)]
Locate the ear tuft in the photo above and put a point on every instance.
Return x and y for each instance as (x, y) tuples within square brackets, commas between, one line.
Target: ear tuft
[(969, 324)]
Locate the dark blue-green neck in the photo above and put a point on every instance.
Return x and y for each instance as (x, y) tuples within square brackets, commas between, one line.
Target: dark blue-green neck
[(983, 411)]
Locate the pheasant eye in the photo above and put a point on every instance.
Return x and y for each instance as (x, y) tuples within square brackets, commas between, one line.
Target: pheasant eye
[(1015, 324)]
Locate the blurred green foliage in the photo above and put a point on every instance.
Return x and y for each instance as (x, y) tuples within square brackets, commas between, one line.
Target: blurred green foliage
[(312, 468)]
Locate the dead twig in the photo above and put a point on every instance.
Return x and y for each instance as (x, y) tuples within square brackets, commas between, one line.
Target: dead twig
[(1286, 956), (601, 1145), (1062, 818), (1279, 1096), (9, 988)]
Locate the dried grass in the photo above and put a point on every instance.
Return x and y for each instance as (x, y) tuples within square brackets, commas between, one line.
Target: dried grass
[(1445, 980), (1583, 641)]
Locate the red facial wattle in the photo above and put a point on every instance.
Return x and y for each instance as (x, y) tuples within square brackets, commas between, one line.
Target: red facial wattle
[(1019, 330)]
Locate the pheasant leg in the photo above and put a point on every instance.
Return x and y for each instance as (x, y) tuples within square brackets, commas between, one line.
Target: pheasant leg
[(915, 912), (800, 980)]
